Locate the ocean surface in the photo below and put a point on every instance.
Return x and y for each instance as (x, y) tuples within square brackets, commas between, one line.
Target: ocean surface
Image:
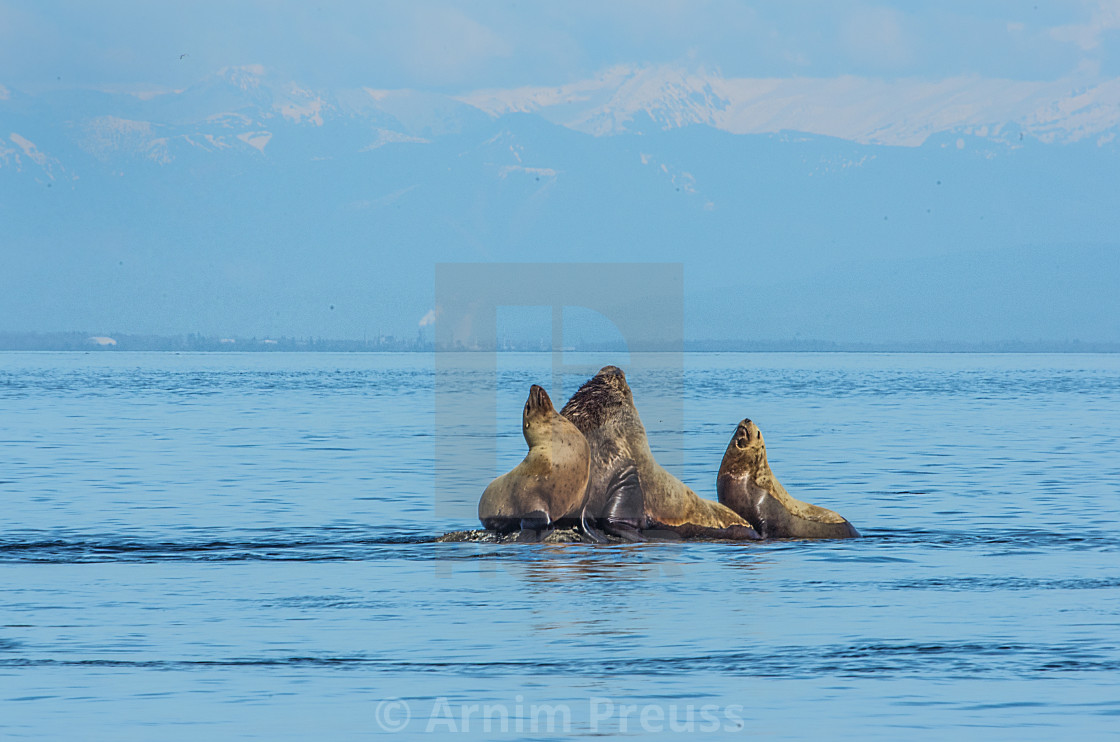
[(240, 546)]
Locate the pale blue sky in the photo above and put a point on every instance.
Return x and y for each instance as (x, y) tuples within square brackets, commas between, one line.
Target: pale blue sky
[(448, 46)]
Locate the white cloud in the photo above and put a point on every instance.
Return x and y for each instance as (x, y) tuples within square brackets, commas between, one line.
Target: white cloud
[(539, 172), (878, 36), (246, 76), (448, 46), (4, 94), (1087, 36)]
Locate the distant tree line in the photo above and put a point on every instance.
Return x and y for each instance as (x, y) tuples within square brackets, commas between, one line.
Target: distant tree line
[(194, 342)]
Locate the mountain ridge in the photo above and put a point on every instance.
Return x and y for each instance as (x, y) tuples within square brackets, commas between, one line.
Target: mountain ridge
[(239, 108), (244, 206)]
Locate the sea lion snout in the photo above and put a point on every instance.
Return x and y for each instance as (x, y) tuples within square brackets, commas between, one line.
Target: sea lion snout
[(746, 433), (538, 400)]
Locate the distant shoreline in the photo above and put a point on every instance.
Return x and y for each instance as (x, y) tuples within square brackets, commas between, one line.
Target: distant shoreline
[(110, 343)]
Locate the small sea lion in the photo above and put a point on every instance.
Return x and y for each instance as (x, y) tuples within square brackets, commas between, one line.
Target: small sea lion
[(746, 485), (550, 483), (628, 490)]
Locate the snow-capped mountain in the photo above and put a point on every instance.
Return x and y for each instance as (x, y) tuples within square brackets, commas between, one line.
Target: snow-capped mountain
[(902, 112), (241, 109), (249, 205), (237, 111)]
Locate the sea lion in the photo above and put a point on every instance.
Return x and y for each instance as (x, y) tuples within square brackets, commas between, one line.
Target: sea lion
[(628, 490), (549, 485), (746, 485)]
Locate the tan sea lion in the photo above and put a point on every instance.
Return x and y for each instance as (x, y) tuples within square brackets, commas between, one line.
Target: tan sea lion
[(628, 490), (549, 485), (746, 485)]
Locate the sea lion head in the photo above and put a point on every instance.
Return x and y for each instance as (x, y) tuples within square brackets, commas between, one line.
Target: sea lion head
[(538, 413), (746, 453), (600, 397), (614, 378)]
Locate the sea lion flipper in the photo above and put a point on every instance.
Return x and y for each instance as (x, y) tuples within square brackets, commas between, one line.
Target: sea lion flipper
[(625, 506), (535, 527), (501, 525), (594, 534), (535, 521)]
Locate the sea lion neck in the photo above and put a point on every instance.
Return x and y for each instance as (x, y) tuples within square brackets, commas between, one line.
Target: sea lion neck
[(745, 462), (538, 412)]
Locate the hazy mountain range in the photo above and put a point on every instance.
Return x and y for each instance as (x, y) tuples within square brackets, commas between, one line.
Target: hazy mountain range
[(846, 210)]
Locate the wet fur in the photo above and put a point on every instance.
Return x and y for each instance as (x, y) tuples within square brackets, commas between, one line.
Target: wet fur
[(603, 410), (746, 485), (548, 487)]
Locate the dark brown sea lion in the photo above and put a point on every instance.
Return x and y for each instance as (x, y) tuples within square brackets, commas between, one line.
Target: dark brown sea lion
[(549, 485), (746, 485), (628, 490)]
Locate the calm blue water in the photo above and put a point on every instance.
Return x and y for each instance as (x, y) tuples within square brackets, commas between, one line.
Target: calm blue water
[(238, 546)]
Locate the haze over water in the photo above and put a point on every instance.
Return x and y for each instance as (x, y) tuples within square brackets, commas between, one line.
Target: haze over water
[(240, 545)]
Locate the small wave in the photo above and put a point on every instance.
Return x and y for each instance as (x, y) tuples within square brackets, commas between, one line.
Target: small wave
[(1004, 540), (951, 660), (133, 382), (981, 584), (354, 543), (325, 547)]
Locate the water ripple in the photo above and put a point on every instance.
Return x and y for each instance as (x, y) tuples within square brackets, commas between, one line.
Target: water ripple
[(356, 544), (955, 660)]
